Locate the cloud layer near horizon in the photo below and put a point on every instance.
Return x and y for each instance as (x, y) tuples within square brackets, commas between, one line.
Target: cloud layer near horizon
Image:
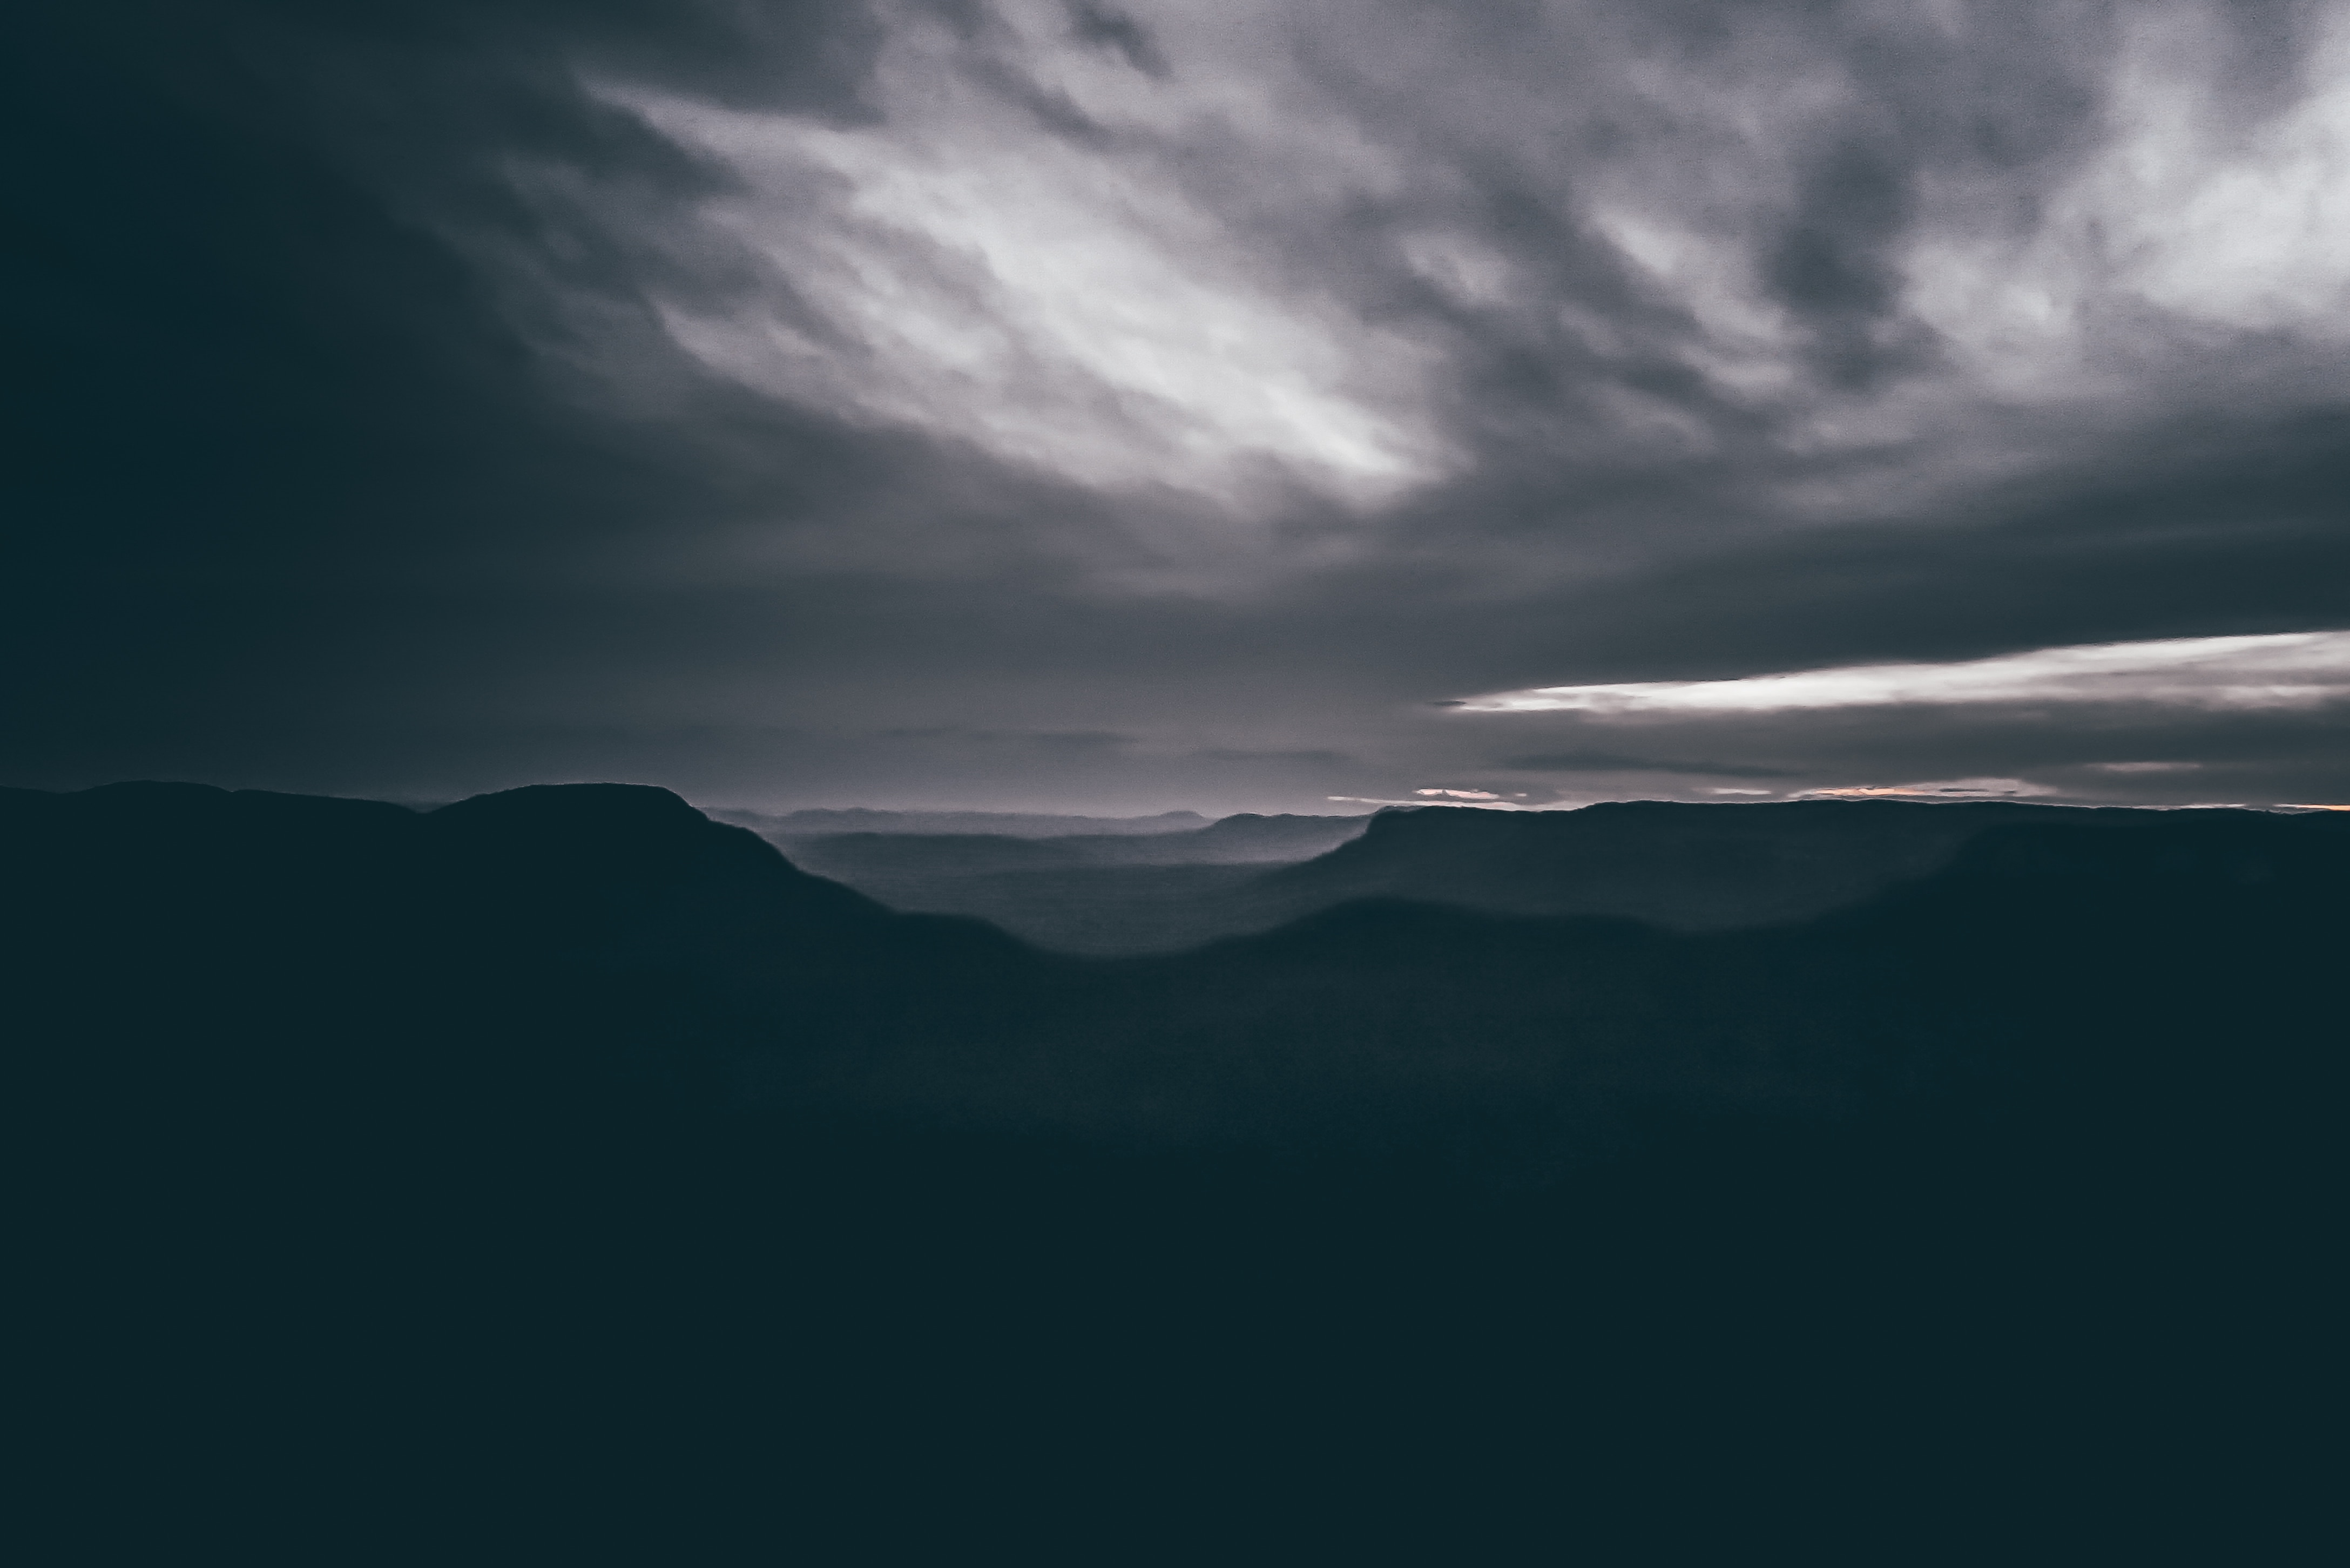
[(2289, 671), (1027, 404)]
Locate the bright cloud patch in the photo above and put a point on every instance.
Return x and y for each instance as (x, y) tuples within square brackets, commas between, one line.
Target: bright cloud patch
[(1383, 800), (1937, 789), (2292, 670), (1050, 293)]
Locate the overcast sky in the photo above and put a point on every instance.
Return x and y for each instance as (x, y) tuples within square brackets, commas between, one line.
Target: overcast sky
[(1228, 404)]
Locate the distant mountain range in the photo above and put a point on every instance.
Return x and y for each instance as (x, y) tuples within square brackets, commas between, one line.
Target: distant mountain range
[(556, 918), (1087, 893), (1015, 824), (1680, 865), (562, 1133)]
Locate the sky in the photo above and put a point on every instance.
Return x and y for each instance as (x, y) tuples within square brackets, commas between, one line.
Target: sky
[(1231, 405)]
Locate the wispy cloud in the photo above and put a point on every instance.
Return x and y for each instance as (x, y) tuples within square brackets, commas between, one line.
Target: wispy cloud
[(1005, 255), (1935, 789), (2290, 669)]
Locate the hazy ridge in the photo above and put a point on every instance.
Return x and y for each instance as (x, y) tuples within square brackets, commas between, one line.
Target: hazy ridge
[(1018, 824), (1680, 865)]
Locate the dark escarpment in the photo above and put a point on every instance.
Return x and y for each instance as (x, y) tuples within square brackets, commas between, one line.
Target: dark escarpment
[(566, 1137), (1691, 867)]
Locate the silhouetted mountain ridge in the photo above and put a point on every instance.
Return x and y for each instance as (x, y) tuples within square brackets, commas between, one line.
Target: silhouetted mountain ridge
[(626, 917), (1689, 866), (562, 1134), (818, 821), (1686, 866)]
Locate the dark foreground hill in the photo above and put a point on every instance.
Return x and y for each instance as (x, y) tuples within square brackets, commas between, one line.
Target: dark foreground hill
[(561, 1175)]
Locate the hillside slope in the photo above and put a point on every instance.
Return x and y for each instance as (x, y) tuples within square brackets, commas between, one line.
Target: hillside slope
[(1688, 867)]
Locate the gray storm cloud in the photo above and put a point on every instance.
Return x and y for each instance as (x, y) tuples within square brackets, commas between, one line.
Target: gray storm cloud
[(1543, 303), (833, 403), (1847, 252)]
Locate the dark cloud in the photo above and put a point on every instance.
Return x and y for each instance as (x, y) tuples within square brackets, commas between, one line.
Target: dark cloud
[(1238, 755), (1042, 405), (1829, 265), (1108, 29), (1616, 763)]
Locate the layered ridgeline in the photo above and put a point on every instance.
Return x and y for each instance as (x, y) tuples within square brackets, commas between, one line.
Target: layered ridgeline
[(562, 1137), (820, 821), (1689, 868), (1128, 891), (1684, 866)]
